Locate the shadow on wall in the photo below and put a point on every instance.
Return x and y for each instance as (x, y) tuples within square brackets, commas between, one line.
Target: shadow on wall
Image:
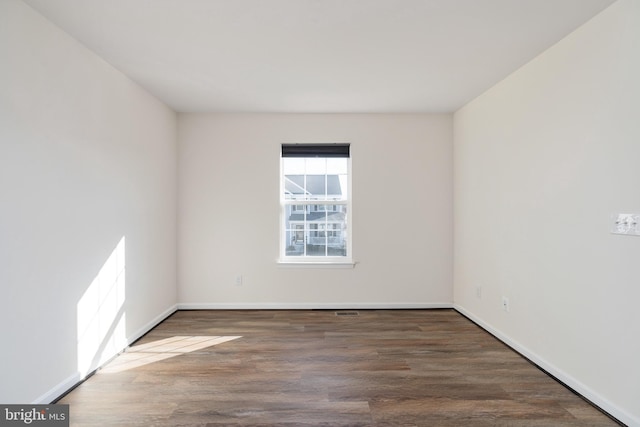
[(101, 316)]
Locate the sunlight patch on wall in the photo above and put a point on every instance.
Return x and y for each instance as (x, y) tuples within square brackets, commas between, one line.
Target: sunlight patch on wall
[(155, 351), (100, 312)]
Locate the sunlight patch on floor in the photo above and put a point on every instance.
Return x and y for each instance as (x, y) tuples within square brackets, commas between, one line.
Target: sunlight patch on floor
[(155, 351)]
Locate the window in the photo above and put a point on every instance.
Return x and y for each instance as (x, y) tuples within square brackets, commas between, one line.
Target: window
[(315, 203)]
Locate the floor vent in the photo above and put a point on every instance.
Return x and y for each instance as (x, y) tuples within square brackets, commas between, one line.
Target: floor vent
[(347, 313)]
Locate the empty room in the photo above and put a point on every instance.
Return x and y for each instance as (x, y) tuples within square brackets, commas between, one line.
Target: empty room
[(320, 212)]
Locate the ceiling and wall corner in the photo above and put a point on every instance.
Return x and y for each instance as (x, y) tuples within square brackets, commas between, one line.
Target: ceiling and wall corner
[(309, 56)]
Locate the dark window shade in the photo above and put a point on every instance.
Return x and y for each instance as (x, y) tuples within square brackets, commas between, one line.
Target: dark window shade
[(315, 150)]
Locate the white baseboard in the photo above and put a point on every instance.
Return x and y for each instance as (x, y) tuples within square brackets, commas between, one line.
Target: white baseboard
[(58, 390), (152, 324), (588, 393), (311, 306)]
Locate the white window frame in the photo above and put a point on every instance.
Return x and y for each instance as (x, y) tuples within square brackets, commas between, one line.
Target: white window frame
[(317, 261)]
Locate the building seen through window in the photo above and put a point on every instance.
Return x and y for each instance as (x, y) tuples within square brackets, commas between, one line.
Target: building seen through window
[(315, 204)]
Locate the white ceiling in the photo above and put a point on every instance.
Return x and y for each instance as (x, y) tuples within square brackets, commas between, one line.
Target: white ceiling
[(318, 55)]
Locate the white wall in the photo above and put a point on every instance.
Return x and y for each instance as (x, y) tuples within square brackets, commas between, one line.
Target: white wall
[(541, 162), (86, 158), (229, 211)]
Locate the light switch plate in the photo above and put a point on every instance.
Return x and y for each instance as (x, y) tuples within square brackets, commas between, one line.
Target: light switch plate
[(628, 224)]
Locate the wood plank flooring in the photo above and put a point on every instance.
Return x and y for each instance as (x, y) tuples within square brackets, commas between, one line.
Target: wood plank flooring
[(314, 368)]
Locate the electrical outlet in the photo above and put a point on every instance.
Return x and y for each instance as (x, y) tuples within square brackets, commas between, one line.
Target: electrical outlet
[(505, 304), (239, 280), (628, 224), (478, 292)]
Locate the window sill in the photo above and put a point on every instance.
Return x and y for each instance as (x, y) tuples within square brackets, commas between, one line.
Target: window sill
[(316, 264)]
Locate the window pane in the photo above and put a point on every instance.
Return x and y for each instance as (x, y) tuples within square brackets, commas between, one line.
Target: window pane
[(294, 166), (315, 166), (295, 239), (337, 167), (337, 232), (294, 187), (315, 233), (315, 179), (315, 187)]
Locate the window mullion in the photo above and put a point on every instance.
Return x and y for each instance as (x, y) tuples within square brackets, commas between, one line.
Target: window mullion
[(326, 233), (305, 238)]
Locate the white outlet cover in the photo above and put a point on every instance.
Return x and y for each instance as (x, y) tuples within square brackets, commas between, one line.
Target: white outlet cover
[(627, 224)]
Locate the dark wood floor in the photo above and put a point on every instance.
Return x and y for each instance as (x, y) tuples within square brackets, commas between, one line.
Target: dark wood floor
[(313, 368)]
